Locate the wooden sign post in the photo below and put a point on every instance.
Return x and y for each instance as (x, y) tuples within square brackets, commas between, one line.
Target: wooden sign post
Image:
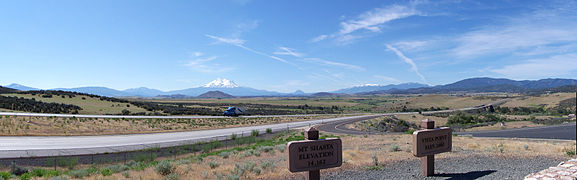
[(431, 141), (313, 154)]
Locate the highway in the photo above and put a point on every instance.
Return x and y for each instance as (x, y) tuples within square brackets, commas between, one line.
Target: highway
[(43, 146), (145, 117), (563, 131)]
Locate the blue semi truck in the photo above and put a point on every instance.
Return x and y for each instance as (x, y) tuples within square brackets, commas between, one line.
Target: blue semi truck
[(234, 111)]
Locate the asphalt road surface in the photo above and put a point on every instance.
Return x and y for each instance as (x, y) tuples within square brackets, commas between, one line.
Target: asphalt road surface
[(43, 146), (563, 131), (140, 117)]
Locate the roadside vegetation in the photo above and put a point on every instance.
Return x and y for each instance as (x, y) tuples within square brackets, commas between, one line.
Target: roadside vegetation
[(385, 124), (57, 126), (254, 158)]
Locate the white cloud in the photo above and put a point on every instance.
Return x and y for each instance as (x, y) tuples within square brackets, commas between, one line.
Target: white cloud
[(231, 41), (245, 27), (203, 65), (332, 63), (541, 31), (200, 61), (387, 78), (197, 54), (320, 38), (411, 45), (371, 21), (555, 66), (408, 61), (240, 43), (287, 51)]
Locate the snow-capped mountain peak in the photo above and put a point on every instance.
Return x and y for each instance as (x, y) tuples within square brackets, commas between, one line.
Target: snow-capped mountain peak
[(221, 83), (367, 85)]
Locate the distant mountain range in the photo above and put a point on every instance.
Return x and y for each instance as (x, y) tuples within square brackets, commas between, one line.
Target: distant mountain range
[(485, 84), (376, 87), (228, 87), (222, 85)]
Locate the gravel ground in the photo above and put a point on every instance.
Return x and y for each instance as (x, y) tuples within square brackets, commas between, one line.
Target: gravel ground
[(471, 167)]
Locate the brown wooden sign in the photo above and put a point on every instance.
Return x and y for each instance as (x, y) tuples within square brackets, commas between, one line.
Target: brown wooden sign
[(432, 141), (308, 155)]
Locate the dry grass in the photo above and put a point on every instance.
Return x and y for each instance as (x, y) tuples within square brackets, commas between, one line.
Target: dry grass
[(549, 100), (508, 125), (52, 126), (357, 153), (452, 102), (266, 100), (89, 105)]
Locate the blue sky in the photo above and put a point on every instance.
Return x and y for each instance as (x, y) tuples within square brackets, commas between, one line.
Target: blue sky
[(283, 45)]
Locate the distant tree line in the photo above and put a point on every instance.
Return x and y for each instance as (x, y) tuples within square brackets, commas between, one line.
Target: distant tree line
[(462, 118), (7, 90), (565, 107), (405, 109), (31, 105), (50, 93), (252, 109)]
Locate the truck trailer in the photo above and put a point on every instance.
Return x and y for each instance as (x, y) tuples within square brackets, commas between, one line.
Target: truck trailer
[(234, 111)]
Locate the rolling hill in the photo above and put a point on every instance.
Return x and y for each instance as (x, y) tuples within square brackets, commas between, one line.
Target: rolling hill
[(215, 94), (488, 85)]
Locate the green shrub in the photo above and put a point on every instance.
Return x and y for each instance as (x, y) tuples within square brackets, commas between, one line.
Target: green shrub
[(182, 161), (249, 166), (139, 166), (126, 174), (172, 176), (44, 173), (526, 147), (224, 154), (280, 147), (79, 174), (256, 171), (197, 159), (131, 163), (5, 175), (395, 148), (267, 165), (17, 170), (501, 148), (105, 172), (410, 131), (268, 130), (570, 152), (68, 162), (247, 153), (213, 164), (233, 136), (232, 177), (266, 149), (163, 168), (117, 168), (59, 178), (26, 176), (254, 133), (145, 158)]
